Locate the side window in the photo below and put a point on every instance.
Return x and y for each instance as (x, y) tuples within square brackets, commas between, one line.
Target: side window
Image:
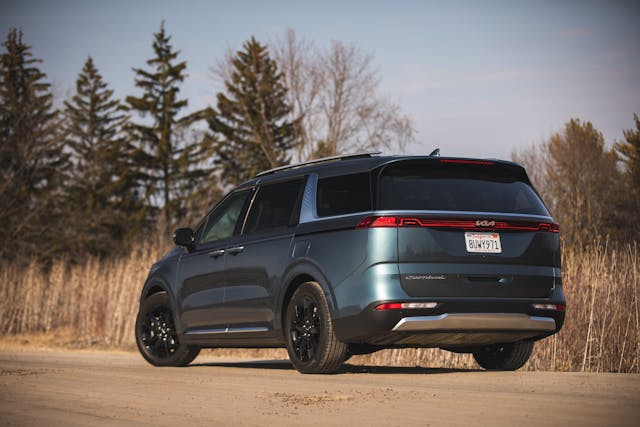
[(273, 206), (224, 219), (343, 195)]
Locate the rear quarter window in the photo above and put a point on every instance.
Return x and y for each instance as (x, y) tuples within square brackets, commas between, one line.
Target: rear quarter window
[(345, 194), (475, 188)]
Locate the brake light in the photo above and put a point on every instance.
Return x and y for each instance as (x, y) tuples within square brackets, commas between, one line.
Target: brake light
[(466, 162), (389, 306), (405, 305), (552, 227), (475, 225), (378, 221)]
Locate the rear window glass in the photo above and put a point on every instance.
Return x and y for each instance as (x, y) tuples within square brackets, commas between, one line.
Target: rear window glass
[(432, 186), (343, 195)]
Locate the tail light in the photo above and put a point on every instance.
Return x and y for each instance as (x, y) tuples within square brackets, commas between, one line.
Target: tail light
[(401, 221)]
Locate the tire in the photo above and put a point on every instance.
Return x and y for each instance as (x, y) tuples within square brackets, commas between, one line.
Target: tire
[(504, 357), (311, 341), (156, 335)]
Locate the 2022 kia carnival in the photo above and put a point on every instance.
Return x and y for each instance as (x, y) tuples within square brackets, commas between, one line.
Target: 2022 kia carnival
[(354, 254)]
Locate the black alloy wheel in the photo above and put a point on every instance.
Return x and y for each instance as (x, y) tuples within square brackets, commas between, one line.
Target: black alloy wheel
[(159, 333), (156, 334), (311, 342), (305, 329)]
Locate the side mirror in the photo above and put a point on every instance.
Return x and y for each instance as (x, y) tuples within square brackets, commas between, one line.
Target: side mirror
[(183, 237)]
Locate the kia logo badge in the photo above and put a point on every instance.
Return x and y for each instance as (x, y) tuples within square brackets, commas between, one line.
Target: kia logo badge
[(485, 223)]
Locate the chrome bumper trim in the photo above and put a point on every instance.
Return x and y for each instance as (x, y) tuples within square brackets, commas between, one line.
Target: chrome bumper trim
[(476, 322)]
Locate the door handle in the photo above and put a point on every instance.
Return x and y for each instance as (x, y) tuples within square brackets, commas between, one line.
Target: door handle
[(216, 254), (236, 250)]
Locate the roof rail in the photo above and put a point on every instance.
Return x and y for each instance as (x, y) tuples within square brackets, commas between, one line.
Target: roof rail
[(322, 160)]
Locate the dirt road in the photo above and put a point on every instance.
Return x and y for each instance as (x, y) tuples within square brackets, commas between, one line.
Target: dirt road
[(100, 388)]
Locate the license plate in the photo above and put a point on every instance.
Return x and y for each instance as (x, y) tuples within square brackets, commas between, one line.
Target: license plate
[(486, 243)]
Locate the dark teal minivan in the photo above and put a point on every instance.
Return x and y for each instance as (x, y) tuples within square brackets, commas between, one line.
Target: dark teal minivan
[(353, 254)]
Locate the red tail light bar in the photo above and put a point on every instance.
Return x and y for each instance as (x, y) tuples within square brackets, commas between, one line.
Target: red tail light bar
[(402, 221)]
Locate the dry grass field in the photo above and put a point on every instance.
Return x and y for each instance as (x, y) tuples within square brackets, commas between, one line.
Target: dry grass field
[(93, 305)]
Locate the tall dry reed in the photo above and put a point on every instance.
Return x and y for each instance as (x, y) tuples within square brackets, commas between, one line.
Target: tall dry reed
[(98, 301)]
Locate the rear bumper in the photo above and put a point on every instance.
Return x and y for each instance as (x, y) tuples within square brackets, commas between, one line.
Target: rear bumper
[(454, 322), (476, 322)]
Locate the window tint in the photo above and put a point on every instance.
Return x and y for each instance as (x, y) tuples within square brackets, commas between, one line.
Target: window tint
[(430, 186), (342, 195), (222, 222), (273, 206)]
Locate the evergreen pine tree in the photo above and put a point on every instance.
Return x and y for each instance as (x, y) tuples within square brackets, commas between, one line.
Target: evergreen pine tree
[(31, 157), (101, 190), (629, 151), (581, 173), (250, 125), (628, 206), (168, 160)]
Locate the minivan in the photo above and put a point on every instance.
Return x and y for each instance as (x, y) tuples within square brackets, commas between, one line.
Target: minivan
[(353, 254)]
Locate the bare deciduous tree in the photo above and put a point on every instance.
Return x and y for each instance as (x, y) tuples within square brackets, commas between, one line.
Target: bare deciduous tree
[(297, 58), (335, 94), (336, 90), (534, 159)]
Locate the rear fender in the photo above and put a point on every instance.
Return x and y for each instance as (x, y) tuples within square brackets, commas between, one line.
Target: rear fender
[(300, 268)]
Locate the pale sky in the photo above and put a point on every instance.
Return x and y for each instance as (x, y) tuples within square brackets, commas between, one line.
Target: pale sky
[(478, 78)]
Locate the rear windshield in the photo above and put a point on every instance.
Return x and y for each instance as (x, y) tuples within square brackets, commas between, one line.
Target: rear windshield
[(447, 187)]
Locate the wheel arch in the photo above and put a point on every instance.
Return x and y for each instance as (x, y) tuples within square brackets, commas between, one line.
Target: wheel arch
[(154, 285), (154, 288), (301, 272)]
